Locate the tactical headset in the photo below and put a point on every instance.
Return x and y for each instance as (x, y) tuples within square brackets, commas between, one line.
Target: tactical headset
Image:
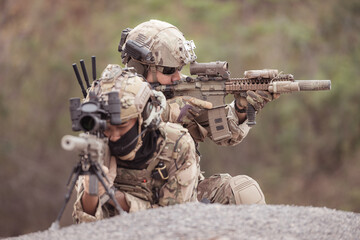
[(152, 111), (135, 54)]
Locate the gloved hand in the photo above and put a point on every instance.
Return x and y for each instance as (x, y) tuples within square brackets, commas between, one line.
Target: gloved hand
[(184, 109), (257, 99), (110, 173)]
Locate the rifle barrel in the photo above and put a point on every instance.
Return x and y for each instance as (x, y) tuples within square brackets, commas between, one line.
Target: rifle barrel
[(70, 143)]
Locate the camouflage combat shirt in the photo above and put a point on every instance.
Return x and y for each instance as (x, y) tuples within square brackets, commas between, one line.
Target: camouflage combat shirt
[(176, 150)]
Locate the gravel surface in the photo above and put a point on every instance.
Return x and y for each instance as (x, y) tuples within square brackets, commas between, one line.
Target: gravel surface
[(217, 222)]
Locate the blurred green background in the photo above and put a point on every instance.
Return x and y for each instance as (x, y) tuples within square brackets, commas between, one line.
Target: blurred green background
[(304, 150)]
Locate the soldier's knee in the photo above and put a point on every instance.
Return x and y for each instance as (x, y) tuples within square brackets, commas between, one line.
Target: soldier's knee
[(246, 190)]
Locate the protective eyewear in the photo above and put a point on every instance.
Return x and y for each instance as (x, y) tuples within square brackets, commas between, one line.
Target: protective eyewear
[(168, 70)]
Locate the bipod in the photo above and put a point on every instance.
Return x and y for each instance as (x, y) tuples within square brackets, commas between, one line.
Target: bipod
[(93, 170)]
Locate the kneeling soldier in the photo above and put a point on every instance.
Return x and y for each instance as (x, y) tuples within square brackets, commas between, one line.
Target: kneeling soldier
[(171, 51)]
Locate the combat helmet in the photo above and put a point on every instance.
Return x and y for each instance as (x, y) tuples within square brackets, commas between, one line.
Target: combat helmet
[(137, 99), (155, 43)]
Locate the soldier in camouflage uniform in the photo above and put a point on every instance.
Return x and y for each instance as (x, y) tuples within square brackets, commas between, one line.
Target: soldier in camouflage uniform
[(170, 52), (150, 163)]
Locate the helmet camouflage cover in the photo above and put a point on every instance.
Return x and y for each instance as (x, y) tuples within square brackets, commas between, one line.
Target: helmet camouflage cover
[(167, 44), (134, 92)]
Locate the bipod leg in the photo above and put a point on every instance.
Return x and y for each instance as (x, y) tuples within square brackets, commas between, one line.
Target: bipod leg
[(77, 170), (110, 193)]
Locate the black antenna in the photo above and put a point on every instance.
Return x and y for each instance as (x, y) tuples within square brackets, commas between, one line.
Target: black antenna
[(83, 68), (93, 61), (79, 79)]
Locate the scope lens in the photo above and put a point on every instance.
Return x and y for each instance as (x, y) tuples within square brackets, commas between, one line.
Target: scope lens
[(87, 123)]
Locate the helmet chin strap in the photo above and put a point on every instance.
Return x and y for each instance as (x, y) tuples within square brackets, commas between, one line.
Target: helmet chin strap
[(130, 156), (153, 72)]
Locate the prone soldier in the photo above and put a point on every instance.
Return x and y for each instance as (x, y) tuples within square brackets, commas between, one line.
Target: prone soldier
[(148, 163)]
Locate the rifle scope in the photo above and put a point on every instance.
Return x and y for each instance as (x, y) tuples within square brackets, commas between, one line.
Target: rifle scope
[(87, 116), (91, 116), (90, 119), (91, 123)]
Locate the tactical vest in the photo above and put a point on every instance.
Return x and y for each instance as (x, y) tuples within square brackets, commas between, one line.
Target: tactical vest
[(146, 183)]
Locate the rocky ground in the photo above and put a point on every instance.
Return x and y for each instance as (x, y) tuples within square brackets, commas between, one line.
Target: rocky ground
[(213, 221)]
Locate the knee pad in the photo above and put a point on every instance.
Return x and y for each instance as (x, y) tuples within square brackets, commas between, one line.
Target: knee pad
[(246, 190)]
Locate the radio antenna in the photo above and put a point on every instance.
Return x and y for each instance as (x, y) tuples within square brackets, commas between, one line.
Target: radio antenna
[(83, 68), (93, 61), (76, 70)]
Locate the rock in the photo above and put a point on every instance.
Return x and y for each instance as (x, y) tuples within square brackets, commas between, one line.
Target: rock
[(217, 222)]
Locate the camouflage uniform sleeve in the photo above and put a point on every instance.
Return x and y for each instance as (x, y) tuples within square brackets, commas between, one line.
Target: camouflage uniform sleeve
[(172, 111), (79, 216), (183, 175), (238, 131)]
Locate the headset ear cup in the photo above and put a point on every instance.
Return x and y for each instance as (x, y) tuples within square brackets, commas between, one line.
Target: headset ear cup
[(140, 69), (151, 113), (147, 111)]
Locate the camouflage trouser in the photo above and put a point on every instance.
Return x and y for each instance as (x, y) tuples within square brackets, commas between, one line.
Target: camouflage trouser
[(224, 189)]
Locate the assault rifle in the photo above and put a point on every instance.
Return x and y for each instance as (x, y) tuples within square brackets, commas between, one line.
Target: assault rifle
[(213, 83)]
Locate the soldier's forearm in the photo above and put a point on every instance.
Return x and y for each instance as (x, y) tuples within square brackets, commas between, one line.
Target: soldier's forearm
[(120, 197), (89, 203)]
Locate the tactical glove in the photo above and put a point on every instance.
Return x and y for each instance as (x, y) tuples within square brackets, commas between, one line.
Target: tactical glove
[(110, 174), (184, 109), (257, 99)]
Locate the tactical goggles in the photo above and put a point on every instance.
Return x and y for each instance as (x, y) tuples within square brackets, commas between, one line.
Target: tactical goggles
[(168, 70)]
